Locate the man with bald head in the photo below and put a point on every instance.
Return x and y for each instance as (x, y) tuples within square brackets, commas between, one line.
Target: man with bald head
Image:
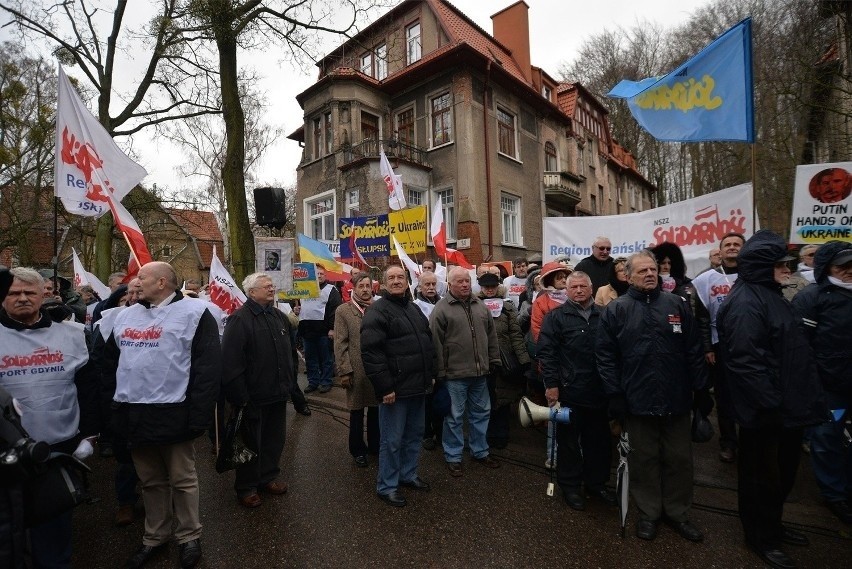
[(164, 359)]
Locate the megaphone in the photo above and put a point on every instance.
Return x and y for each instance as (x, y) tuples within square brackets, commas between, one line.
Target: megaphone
[(529, 413)]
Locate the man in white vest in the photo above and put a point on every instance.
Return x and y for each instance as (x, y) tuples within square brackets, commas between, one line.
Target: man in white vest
[(43, 366), (316, 326), (166, 359)]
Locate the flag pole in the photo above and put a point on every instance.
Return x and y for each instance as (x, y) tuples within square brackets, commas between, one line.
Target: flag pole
[(55, 245), (753, 189)]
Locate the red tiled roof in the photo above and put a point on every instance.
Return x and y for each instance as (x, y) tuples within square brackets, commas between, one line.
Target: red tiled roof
[(199, 224), (566, 98)]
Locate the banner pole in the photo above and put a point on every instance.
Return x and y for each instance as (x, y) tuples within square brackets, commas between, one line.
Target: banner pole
[(753, 189)]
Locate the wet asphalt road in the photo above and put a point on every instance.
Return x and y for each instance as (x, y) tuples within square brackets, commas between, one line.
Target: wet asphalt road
[(331, 516)]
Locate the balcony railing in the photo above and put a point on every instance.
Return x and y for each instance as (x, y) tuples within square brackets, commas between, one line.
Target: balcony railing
[(563, 188), (393, 149)]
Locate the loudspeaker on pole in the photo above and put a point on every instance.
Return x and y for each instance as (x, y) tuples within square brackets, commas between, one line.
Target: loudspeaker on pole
[(270, 207)]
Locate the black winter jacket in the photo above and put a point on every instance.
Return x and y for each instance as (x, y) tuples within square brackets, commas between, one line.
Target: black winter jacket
[(256, 356), (396, 348), (768, 363), (597, 270), (648, 351), (824, 314), (566, 351)]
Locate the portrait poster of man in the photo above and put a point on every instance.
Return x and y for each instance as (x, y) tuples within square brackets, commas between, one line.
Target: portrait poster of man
[(822, 205), (274, 256)]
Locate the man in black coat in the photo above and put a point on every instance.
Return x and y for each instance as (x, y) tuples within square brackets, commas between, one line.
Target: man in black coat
[(257, 359), (399, 359), (598, 265), (566, 351), (774, 388), (651, 362), (824, 310)]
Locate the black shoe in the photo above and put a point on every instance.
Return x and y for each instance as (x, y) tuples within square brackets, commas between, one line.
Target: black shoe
[(417, 483), (306, 411), (793, 537), (143, 555), (487, 461), (842, 511), (574, 500), (429, 444), (361, 461), (393, 498), (646, 529), (687, 531), (310, 389), (775, 558), (189, 553), (605, 496)]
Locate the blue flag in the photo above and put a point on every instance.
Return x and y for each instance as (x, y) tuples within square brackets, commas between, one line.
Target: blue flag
[(710, 97)]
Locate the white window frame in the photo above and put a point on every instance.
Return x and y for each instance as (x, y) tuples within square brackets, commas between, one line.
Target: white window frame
[(367, 63), (414, 197), (506, 111), (449, 112), (353, 207), (546, 92), (381, 61), (555, 157), (510, 213), (449, 211), (309, 217), (413, 45)]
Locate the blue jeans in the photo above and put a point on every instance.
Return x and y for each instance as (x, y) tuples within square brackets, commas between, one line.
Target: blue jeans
[(469, 394), (401, 426), (832, 458), (319, 359)]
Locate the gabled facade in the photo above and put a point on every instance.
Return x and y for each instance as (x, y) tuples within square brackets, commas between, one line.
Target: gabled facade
[(464, 116)]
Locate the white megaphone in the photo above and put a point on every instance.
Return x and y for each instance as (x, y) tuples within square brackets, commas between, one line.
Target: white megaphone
[(530, 413)]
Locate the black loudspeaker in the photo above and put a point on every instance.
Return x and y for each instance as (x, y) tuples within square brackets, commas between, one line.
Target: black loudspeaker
[(269, 207)]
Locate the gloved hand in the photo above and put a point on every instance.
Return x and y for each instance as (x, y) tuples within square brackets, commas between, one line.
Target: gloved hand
[(770, 419), (703, 402), (346, 381), (618, 408), (84, 449)]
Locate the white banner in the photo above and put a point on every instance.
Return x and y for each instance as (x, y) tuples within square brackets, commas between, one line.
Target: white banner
[(695, 225), (822, 204), (223, 291), (84, 277), (274, 257)]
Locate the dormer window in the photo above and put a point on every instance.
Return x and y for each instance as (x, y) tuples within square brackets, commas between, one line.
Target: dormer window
[(546, 92), (412, 39)]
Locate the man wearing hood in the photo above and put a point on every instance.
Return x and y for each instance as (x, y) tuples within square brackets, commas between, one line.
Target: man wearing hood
[(772, 376), (824, 310)]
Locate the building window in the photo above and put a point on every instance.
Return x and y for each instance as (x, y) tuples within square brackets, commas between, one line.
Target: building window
[(594, 204), (581, 165), (329, 137), (167, 250), (545, 92), (449, 209), (352, 206), (317, 137), (506, 132), (405, 131), (442, 123), (367, 63), (414, 197), (550, 164), (381, 62), (412, 37), (320, 221), (369, 127), (590, 152), (510, 206)]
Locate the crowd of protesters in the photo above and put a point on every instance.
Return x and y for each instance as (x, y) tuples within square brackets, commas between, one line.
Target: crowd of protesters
[(628, 344)]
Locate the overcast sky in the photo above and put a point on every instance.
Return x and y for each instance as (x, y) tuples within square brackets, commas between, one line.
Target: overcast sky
[(557, 29)]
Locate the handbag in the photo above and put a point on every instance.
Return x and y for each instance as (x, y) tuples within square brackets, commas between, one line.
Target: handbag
[(509, 361), (58, 485), (702, 428), (233, 451)]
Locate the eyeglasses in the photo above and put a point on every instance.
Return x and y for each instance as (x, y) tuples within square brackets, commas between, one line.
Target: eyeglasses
[(603, 248), (267, 287)]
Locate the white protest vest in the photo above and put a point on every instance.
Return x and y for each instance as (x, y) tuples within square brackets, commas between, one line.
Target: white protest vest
[(515, 287), (105, 324), (494, 306), (37, 368), (314, 308), (712, 287), (156, 351), (425, 307)]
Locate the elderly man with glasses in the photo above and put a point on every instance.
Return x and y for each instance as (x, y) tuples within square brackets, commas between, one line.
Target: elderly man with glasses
[(598, 265)]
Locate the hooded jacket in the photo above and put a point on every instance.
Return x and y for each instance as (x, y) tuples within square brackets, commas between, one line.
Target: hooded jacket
[(768, 362), (824, 314)]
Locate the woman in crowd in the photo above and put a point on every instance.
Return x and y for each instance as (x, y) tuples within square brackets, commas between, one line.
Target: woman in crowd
[(617, 286)]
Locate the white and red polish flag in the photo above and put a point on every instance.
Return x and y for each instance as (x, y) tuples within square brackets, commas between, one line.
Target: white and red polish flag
[(89, 166), (396, 197), (84, 277), (439, 238), (223, 291), (132, 234)]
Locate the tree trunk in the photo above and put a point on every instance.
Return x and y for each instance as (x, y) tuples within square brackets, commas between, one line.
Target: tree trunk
[(233, 169)]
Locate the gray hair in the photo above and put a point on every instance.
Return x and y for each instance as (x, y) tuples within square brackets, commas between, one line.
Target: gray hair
[(28, 275), (600, 238), (580, 276), (628, 265), (456, 269), (251, 281), (806, 249)]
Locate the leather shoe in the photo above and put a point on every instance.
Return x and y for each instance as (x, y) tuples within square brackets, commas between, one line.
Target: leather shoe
[(605, 496), (250, 501), (775, 558), (574, 500), (417, 483), (488, 461), (306, 411), (842, 511), (646, 529), (189, 553), (275, 488), (793, 537), (455, 469), (144, 554), (361, 461), (688, 531), (124, 516), (393, 498)]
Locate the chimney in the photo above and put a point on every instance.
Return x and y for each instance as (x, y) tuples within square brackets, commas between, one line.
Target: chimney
[(512, 29)]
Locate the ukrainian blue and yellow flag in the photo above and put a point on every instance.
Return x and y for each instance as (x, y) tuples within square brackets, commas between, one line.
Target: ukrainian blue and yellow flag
[(313, 251), (710, 97)]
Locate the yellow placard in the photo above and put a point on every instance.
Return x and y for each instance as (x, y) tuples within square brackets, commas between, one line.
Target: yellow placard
[(409, 228)]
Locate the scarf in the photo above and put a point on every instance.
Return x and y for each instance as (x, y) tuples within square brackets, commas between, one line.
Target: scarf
[(806, 272), (840, 283), (360, 304)]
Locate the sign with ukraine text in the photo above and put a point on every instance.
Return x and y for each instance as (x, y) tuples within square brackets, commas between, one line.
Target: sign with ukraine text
[(695, 225), (822, 203), (304, 282), (709, 97), (409, 228)]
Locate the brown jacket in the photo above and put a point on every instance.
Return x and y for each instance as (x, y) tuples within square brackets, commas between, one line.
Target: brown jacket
[(347, 356)]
